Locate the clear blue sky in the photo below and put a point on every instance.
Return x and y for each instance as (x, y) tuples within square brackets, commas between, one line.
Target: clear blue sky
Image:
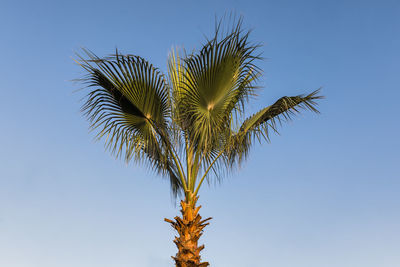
[(325, 193)]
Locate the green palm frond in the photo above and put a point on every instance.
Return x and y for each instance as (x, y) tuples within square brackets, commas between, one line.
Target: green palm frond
[(176, 75), (259, 125), (214, 84), (130, 105)]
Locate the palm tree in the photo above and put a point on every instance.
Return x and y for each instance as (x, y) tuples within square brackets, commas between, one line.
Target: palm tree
[(189, 125)]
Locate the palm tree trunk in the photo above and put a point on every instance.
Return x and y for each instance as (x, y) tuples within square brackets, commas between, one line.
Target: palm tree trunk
[(189, 228)]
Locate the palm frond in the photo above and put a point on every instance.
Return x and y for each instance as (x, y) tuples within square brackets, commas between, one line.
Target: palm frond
[(214, 84), (176, 75), (129, 103), (259, 125)]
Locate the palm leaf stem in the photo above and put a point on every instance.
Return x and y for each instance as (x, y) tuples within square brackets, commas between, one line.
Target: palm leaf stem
[(189, 154), (195, 168), (188, 172), (171, 149), (206, 172)]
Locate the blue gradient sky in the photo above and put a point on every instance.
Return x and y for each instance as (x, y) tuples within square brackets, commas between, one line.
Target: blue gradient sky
[(325, 193)]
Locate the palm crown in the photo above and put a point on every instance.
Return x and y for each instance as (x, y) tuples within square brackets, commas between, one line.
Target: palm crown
[(189, 123)]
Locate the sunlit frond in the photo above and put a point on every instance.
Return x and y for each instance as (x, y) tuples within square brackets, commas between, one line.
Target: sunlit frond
[(259, 125), (214, 85)]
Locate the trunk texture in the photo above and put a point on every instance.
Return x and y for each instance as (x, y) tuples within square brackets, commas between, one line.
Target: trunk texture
[(189, 228)]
